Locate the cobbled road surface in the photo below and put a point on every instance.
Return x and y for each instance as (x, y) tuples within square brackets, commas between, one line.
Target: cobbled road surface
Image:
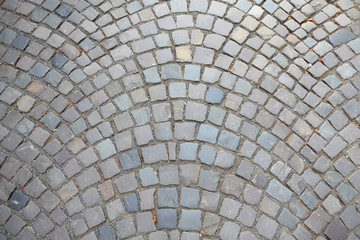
[(181, 119)]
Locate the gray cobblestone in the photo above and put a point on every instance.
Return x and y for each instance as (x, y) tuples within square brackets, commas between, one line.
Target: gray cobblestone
[(317, 220), (298, 208), (266, 227), (81, 114)]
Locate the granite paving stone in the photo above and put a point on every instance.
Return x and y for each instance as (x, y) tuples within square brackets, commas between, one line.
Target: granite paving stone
[(79, 227), (126, 226), (190, 220), (148, 177), (346, 193), (87, 178), (263, 159), (14, 225), (155, 153), (278, 191), (211, 223), (245, 170), (266, 227), (317, 220), (43, 225), (229, 231), (232, 185), (145, 222), (131, 203), (114, 209), (48, 201), (129, 160), (350, 217), (189, 197), (17, 201), (169, 175), (189, 174), (188, 151), (224, 160), (167, 218), (208, 180), (247, 216), (288, 219), (252, 195), (107, 232), (336, 230), (248, 149), (178, 119)]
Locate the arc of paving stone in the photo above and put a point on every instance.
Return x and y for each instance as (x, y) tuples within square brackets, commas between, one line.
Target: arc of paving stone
[(200, 150)]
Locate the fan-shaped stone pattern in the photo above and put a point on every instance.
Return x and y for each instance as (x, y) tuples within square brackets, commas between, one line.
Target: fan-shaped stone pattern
[(179, 119)]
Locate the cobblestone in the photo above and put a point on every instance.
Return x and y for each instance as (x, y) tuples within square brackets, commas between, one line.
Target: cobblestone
[(182, 119)]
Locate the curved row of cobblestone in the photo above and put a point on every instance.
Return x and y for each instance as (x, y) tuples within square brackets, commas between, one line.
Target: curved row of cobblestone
[(179, 119)]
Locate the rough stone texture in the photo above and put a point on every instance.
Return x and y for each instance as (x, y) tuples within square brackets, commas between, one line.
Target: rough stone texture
[(177, 119), (317, 220), (266, 227)]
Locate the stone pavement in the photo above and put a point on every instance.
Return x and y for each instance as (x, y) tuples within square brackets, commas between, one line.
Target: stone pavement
[(146, 119)]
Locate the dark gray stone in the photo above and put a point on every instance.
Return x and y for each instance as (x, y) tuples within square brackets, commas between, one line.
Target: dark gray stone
[(343, 166), (61, 233), (48, 201), (336, 230), (10, 95), (18, 200), (20, 42)]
